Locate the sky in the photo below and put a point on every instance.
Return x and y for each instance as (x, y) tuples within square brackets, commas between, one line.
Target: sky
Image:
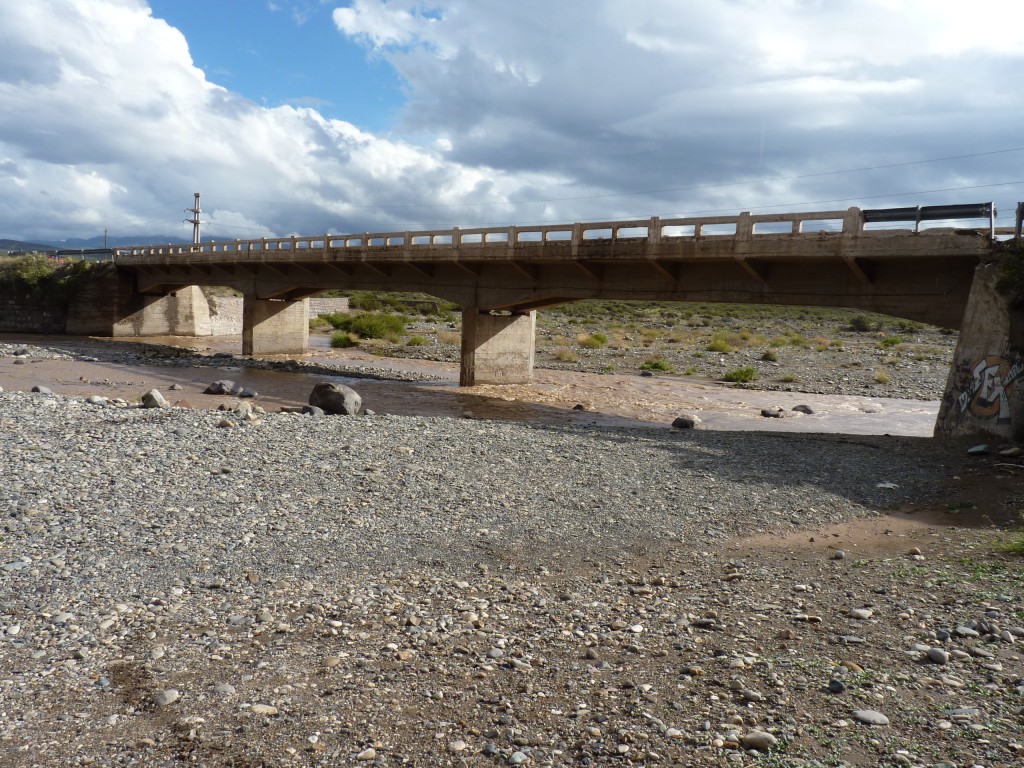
[(347, 116)]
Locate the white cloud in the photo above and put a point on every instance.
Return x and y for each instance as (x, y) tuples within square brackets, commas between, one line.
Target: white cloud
[(619, 95), (516, 112), (113, 126)]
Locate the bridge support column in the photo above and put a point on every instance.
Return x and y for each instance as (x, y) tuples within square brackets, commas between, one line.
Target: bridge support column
[(497, 349), (985, 391), (273, 327), (185, 312)]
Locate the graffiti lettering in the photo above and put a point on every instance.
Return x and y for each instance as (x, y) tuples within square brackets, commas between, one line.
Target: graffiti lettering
[(987, 390)]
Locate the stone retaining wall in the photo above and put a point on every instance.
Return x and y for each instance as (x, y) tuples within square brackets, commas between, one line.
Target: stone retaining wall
[(21, 311), (319, 305)]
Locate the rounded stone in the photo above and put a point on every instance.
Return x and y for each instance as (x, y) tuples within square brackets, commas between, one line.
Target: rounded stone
[(870, 717), (164, 698)]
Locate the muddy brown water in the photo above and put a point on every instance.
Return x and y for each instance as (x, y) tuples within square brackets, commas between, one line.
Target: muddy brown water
[(608, 399)]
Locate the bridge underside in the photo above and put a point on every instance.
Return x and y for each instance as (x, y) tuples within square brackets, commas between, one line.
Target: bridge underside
[(927, 287)]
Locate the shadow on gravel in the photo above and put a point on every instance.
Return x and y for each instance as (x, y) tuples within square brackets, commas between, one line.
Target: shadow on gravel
[(935, 477)]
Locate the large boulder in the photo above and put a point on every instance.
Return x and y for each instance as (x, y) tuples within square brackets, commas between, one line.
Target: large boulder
[(228, 387), (336, 399), (153, 399)]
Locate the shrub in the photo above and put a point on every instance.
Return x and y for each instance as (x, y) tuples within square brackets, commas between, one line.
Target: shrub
[(741, 375), (594, 341), (318, 322), (449, 337), (566, 355), (691, 371), (908, 326), (417, 341), (342, 340), (718, 345), (789, 378), (43, 276), (862, 324), (371, 325), (881, 377), (770, 356), (657, 364), (30, 270), (890, 341), (335, 319)]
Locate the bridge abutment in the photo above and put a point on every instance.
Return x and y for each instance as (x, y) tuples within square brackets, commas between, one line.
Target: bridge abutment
[(184, 312), (497, 349), (985, 390), (274, 327)]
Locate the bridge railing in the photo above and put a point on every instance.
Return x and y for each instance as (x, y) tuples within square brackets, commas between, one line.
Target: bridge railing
[(849, 222)]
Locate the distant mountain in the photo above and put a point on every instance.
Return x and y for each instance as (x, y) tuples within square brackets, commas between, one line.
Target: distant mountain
[(21, 245), (113, 242)]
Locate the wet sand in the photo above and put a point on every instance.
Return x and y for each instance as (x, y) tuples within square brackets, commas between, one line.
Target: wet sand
[(607, 399)]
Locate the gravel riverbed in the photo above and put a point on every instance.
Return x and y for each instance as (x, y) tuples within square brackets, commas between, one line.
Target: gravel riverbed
[(243, 589)]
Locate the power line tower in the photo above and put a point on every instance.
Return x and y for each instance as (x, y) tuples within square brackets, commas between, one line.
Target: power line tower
[(195, 220)]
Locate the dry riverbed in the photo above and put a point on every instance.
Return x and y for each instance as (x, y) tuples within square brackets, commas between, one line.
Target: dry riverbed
[(193, 587)]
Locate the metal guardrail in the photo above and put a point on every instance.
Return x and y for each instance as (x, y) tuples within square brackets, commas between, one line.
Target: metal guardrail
[(919, 213), (653, 230)]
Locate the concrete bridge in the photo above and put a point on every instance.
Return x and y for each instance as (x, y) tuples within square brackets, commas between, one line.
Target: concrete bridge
[(501, 275)]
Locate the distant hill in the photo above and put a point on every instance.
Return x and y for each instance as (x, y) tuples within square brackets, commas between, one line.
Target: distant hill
[(21, 245), (113, 242)]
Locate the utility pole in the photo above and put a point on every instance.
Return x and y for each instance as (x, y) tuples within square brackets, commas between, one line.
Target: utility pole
[(194, 221)]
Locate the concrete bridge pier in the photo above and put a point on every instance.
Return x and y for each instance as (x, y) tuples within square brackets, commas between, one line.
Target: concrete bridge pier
[(183, 312), (274, 326), (985, 391), (497, 348)]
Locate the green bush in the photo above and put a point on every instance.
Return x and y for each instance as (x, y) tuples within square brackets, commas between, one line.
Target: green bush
[(31, 270), (741, 375), (657, 364), (770, 356), (719, 345), (890, 341), (594, 341), (343, 340), (370, 325), (417, 341), (318, 322), (45, 277), (862, 324), (335, 319)]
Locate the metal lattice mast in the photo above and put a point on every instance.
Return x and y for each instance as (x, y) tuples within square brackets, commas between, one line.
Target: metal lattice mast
[(194, 221)]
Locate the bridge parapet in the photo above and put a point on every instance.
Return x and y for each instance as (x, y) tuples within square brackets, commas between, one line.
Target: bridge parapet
[(746, 226)]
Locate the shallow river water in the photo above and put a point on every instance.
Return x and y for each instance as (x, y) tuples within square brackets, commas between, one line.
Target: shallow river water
[(611, 399)]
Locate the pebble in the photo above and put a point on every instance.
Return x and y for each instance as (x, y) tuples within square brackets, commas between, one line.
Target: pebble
[(166, 697), (870, 717), (759, 740), (938, 656), (345, 534)]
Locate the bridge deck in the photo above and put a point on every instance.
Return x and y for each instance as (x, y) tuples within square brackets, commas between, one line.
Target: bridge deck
[(817, 257)]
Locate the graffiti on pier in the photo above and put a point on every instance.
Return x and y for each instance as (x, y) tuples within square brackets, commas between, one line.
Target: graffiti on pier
[(984, 387)]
